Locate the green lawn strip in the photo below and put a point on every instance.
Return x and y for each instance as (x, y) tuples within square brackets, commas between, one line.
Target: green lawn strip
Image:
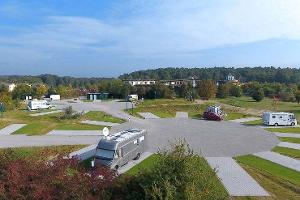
[(292, 140), (39, 152), (293, 153), (101, 116), (235, 115), (66, 126), (285, 130), (36, 128), (254, 122), (146, 164), (271, 169)]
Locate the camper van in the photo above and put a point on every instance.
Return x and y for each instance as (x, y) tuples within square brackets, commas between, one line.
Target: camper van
[(279, 119), (118, 149), (133, 97), (38, 104)]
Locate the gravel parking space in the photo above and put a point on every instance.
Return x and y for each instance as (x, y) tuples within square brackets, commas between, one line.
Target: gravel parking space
[(209, 138), (182, 115), (289, 145), (99, 123), (148, 115), (280, 159), (11, 128), (291, 135), (75, 132), (234, 178)]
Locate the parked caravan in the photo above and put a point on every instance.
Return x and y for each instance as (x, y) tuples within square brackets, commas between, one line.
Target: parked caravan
[(38, 104), (54, 97), (133, 97), (118, 149), (279, 119)]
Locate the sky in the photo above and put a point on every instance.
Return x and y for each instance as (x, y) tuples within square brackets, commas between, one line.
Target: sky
[(101, 38)]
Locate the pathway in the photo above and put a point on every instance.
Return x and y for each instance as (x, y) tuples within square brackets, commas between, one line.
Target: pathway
[(291, 135), (11, 129), (148, 115), (12, 141), (234, 178), (289, 145), (100, 123), (280, 159), (45, 113), (76, 132), (182, 115)]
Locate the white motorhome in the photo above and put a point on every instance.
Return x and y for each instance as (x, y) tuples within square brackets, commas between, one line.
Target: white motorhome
[(279, 119), (54, 97), (118, 149), (132, 97), (38, 104)]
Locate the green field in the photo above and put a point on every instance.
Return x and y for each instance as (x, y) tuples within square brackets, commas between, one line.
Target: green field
[(254, 122), (265, 104), (39, 125), (293, 153), (146, 164), (281, 182), (167, 108), (101, 116), (38, 153), (285, 130)]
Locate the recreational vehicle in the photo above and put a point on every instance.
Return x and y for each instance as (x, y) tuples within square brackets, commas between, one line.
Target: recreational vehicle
[(133, 97), (38, 104), (279, 119), (118, 149)]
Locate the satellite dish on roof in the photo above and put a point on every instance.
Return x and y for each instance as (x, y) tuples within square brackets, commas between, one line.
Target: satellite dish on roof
[(105, 131)]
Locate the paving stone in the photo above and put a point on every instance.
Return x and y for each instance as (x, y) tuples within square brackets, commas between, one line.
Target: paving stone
[(11, 128), (234, 178), (148, 115), (280, 159), (289, 145)]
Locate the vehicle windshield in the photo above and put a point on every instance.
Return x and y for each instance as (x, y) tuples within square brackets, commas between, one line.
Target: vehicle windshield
[(104, 153), (292, 116)]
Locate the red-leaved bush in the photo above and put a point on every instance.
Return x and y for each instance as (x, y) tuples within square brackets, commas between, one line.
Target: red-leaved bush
[(56, 179)]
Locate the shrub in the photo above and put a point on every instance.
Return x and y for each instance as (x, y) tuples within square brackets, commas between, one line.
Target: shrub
[(236, 91), (178, 174), (69, 113), (258, 94)]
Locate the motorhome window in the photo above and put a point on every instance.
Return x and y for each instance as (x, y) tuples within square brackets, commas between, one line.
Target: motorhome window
[(104, 153), (142, 138), (280, 117), (135, 141), (273, 116), (292, 117)]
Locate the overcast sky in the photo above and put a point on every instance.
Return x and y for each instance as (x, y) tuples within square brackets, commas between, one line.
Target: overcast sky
[(108, 38)]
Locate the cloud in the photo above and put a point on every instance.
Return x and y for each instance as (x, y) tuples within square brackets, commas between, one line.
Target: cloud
[(157, 29)]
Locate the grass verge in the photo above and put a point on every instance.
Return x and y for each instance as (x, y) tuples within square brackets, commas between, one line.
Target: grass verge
[(293, 153), (292, 140), (101, 116), (146, 164), (285, 130)]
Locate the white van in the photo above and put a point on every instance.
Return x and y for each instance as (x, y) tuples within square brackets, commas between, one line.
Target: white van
[(279, 119), (38, 104), (133, 97)]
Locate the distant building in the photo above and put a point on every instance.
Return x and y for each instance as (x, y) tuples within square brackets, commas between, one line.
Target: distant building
[(97, 96), (174, 83), (230, 77), (140, 82), (11, 87)]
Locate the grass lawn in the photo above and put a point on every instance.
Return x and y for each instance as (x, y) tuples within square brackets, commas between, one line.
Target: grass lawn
[(285, 130), (146, 164), (254, 122), (101, 116), (281, 182), (293, 153), (40, 125), (292, 140), (265, 104), (232, 116), (42, 152)]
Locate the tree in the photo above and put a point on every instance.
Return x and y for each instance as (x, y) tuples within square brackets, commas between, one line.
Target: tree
[(236, 91), (40, 90), (223, 90), (21, 91), (258, 94), (207, 89), (297, 96), (7, 100)]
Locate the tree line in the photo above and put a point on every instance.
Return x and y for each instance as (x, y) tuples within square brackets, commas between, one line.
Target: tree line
[(246, 74)]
